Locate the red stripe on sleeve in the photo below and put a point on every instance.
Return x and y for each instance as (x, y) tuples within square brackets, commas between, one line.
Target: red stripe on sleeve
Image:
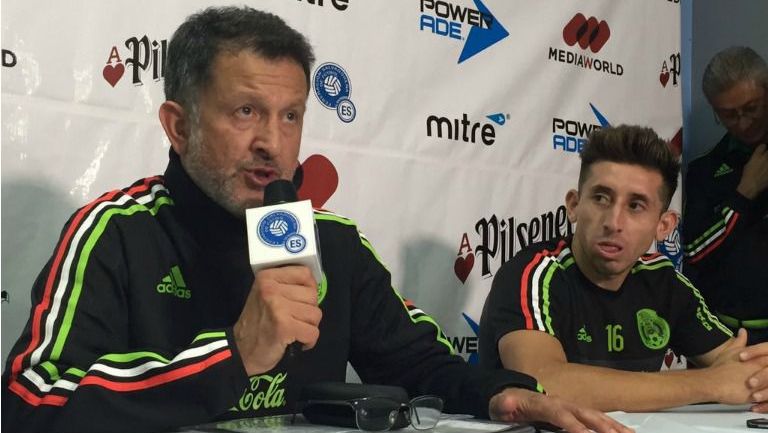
[(160, 379), (525, 287)]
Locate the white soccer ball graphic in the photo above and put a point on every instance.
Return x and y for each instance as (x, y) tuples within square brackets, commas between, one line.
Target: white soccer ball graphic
[(332, 85), (278, 228)]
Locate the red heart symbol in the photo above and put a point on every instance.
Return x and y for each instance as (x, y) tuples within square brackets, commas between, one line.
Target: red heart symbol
[(113, 73), (668, 358), (320, 180), (664, 77), (463, 266)]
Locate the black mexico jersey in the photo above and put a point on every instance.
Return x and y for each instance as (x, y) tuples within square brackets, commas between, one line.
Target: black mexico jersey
[(656, 308)]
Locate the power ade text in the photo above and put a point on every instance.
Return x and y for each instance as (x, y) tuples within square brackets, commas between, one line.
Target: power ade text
[(461, 129), (570, 135), (446, 19), (585, 62)]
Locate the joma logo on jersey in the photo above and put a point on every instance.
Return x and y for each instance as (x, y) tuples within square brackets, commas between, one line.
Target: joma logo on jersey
[(145, 56), (173, 284)]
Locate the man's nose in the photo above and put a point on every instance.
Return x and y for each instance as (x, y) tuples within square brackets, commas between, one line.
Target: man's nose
[(613, 219), (267, 137)]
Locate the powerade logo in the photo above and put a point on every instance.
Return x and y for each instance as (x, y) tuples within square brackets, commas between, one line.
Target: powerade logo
[(449, 20), (467, 346), (333, 89), (464, 129), (571, 135), (281, 229), (589, 34)]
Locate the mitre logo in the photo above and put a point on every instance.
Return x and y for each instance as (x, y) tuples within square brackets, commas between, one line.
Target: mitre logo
[(339, 5), (144, 56)]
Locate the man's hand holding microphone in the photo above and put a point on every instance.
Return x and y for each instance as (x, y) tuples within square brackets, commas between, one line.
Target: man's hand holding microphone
[(281, 314)]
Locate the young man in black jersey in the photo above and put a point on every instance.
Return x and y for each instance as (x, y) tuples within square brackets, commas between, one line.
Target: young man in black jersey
[(591, 316)]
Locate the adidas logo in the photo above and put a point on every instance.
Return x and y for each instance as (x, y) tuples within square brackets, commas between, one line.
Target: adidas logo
[(723, 170), (173, 284)]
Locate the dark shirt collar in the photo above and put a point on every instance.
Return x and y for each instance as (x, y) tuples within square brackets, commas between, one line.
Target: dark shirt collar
[(207, 221)]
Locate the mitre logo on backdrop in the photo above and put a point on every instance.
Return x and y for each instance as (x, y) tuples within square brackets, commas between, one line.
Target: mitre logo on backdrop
[(589, 34), (671, 70), (464, 129), (498, 239), (450, 20), (570, 135), (339, 5), (144, 56), (333, 89)]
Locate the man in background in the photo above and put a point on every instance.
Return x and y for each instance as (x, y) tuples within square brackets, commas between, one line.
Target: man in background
[(725, 228)]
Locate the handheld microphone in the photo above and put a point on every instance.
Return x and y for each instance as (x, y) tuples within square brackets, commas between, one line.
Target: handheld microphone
[(283, 232)]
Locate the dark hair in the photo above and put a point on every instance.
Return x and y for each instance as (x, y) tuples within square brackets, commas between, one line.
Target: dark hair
[(635, 145), (731, 66), (197, 42)]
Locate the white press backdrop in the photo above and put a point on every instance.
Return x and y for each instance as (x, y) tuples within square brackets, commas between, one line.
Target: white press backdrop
[(409, 82)]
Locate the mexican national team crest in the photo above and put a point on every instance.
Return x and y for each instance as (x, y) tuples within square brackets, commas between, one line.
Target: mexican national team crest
[(333, 90), (654, 330), (281, 229)]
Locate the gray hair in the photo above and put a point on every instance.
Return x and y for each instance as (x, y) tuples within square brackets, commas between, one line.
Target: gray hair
[(197, 42), (730, 66)]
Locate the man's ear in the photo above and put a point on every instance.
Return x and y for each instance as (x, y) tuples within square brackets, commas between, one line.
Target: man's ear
[(175, 124), (571, 203), (667, 223)]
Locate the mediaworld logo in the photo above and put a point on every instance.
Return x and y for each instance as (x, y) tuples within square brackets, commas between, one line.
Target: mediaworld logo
[(670, 71), (450, 20), (333, 89), (9, 58), (589, 34), (144, 55), (467, 346), (570, 135), (464, 129), (339, 5), (498, 239)]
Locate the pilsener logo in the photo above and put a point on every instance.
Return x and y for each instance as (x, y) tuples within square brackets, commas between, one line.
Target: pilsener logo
[(145, 55), (447, 19), (589, 34)]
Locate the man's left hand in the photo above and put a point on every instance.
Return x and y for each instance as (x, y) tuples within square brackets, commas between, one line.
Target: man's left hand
[(758, 382), (520, 405)]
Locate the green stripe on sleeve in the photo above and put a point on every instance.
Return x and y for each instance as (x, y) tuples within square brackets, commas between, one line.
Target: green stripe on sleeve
[(90, 243)]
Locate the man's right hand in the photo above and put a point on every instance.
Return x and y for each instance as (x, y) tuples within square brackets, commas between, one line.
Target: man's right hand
[(281, 308), (754, 179)]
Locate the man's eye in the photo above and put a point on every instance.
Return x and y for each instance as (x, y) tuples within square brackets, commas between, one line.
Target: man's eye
[(245, 110)]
